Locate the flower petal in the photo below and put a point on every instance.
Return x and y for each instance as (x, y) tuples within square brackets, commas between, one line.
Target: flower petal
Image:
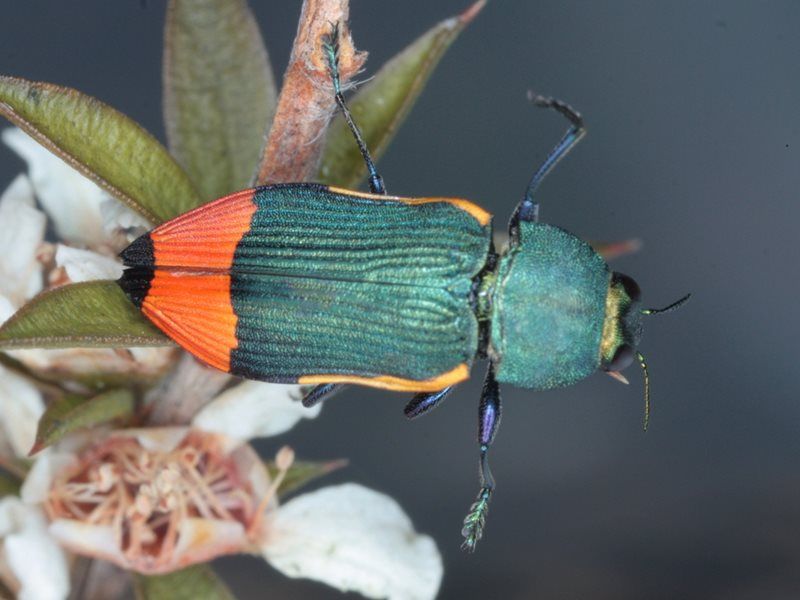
[(40, 478), (33, 556), (98, 541), (354, 539), (200, 540), (155, 439), (119, 218), (20, 236), (255, 409), (85, 265), (94, 364), (252, 470), (7, 308), (70, 199), (21, 405)]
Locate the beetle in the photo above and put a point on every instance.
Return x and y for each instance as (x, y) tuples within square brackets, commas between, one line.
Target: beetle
[(321, 286)]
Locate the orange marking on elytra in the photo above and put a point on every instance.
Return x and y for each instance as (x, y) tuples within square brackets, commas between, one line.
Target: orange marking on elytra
[(204, 238), (388, 382), (480, 215)]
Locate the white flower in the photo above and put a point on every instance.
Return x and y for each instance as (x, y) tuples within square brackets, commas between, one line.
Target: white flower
[(23, 232), (27, 544), (354, 539), (21, 235), (31, 553), (21, 405), (81, 214), (71, 200), (85, 265), (157, 499), (253, 409)]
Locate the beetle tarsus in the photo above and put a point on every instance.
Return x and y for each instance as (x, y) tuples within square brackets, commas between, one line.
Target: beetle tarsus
[(475, 520), (488, 422), (331, 48)]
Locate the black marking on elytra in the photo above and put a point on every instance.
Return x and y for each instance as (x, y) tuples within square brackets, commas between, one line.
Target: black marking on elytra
[(140, 253), (135, 282)]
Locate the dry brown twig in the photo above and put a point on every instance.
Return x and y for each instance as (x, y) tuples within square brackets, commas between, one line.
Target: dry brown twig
[(306, 102)]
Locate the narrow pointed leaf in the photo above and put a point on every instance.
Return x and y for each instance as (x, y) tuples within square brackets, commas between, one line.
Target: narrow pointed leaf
[(90, 314), (381, 105), (71, 412), (219, 92), (195, 583), (101, 143), (302, 473)]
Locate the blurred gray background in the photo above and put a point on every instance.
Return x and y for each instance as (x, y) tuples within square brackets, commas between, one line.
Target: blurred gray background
[(693, 146)]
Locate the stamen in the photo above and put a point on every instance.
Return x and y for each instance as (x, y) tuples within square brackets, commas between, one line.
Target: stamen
[(283, 461), (144, 496)]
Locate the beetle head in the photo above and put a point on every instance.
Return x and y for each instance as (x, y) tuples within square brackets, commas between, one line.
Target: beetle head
[(622, 331), (622, 328)]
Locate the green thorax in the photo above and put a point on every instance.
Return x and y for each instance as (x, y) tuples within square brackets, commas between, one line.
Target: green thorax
[(548, 309)]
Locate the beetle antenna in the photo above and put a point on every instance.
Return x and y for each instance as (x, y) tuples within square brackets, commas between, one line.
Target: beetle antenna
[(646, 375), (666, 309)]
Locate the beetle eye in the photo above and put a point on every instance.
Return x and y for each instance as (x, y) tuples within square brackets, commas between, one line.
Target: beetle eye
[(622, 359), (631, 287)]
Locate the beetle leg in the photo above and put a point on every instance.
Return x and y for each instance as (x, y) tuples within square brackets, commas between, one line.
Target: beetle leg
[(425, 401), (331, 48), (488, 421), (321, 392), (528, 209)]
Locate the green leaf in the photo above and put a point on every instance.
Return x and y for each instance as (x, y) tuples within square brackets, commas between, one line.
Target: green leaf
[(219, 92), (195, 583), (380, 106), (101, 143), (70, 413), (90, 314), (302, 473)]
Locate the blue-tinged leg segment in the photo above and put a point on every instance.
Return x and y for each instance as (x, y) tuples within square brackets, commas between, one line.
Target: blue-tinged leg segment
[(425, 401), (321, 392), (528, 209), (331, 48), (488, 421)]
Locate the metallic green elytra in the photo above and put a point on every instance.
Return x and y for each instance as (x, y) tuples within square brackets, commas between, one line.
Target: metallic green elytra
[(305, 283), (330, 282)]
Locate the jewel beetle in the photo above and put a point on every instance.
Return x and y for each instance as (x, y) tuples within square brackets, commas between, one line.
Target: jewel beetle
[(321, 286)]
